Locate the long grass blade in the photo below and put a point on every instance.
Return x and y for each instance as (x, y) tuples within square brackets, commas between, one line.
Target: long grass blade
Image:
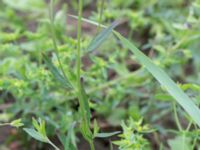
[(164, 80)]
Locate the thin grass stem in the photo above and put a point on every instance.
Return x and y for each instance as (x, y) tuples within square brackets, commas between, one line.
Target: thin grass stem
[(100, 15), (53, 34), (81, 98), (53, 145), (176, 118)]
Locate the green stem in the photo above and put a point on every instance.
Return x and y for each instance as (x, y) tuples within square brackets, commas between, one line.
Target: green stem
[(100, 15), (79, 44), (53, 33), (176, 118), (196, 138), (78, 59), (189, 126), (92, 146), (5, 124), (56, 148), (79, 86)]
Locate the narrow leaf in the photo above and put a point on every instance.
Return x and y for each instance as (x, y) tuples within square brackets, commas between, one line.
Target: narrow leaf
[(104, 135), (36, 135), (62, 79), (17, 123), (87, 21), (164, 80), (84, 98), (96, 128), (101, 37)]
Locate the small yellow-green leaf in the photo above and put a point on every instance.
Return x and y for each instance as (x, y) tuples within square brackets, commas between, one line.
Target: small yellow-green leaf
[(17, 123)]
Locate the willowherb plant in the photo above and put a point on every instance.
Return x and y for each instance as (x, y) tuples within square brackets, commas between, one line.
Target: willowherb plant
[(132, 135)]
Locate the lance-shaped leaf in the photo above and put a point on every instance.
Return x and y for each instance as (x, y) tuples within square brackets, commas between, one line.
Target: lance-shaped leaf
[(105, 135), (101, 37), (62, 79), (85, 98), (36, 135)]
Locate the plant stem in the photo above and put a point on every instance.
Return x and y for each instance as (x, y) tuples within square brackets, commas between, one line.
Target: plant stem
[(53, 33), (81, 97), (56, 148), (92, 146), (79, 43), (100, 15), (196, 138), (4, 124), (176, 118)]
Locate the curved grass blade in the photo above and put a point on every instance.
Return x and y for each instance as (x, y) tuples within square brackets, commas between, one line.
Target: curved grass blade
[(60, 78), (164, 80)]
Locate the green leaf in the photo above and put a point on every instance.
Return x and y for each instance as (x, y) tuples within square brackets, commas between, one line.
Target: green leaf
[(96, 128), (104, 135), (85, 112), (101, 37), (42, 127), (62, 79), (35, 124), (180, 142), (194, 87), (25, 5), (36, 135), (164, 80), (17, 123), (84, 98), (39, 126)]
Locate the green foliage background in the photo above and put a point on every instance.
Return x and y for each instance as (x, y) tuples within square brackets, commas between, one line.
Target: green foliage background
[(119, 88)]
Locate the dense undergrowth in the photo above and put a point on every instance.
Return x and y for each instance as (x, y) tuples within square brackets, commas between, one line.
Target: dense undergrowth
[(69, 79)]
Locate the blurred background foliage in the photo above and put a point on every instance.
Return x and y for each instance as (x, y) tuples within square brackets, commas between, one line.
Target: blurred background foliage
[(167, 31)]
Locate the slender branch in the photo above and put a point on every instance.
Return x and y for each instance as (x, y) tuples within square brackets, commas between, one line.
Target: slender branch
[(81, 97), (5, 124), (176, 118), (79, 43), (92, 146), (52, 144), (100, 15), (53, 33)]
